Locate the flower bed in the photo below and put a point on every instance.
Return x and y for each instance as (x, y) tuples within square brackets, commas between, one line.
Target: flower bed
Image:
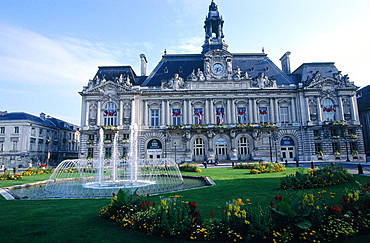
[(190, 168), (327, 175), (261, 167), (289, 218)]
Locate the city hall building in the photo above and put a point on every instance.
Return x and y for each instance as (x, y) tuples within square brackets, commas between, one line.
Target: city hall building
[(217, 105)]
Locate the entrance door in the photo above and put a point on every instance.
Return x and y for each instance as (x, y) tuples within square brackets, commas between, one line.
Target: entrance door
[(287, 149), (199, 149), (243, 148), (221, 149)]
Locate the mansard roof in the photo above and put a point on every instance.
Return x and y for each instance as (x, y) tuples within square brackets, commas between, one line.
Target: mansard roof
[(308, 70), (184, 64), (114, 72), (49, 121)]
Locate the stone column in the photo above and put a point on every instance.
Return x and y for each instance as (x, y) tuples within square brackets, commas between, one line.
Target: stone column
[(87, 113), (121, 113), (307, 108), (185, 112), (354, 108), (272, 111), (340, 110), (233, 112), (212, 112), (162, 116), (319, 110), (228, 111), (98, 115), (277, 110), (250, 111), (146, 115), (206, 112), (294, 110)]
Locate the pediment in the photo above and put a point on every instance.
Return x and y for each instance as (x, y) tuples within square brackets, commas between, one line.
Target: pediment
[(329, 83)]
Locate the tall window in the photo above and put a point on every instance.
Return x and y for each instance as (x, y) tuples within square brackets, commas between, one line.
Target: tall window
[(336, 147), (284, 115), (328, 109), (220, 115), (16, 129), (154, 117), (242, 115), (1, 145), (198, 116), (14, 145), (108, 153), (90, 153), (199, 147), (176, 117), (2, 129), (32, 144), (243, 146), (263, 115), (110, 114), (318, 147)]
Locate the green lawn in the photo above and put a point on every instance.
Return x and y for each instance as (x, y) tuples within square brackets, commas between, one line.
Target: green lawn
[(76, 220)]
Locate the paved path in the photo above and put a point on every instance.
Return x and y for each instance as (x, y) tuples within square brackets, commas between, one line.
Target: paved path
[(353, 167)]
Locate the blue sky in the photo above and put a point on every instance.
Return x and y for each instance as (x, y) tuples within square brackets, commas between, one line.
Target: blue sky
[(50, 49)]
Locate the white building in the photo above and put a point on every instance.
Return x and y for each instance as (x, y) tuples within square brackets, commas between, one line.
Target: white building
[(25, 139), (224, 106)]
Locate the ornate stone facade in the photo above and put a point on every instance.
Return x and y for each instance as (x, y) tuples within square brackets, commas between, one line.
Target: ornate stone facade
[(224, 106)]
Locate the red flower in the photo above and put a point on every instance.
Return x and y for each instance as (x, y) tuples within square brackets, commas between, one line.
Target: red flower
[(345, 198), (154, 204), (197, 212), (271, 204), (193, 205)]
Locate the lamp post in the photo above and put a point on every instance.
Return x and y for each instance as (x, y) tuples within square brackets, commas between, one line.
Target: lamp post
[(270, 145), (174, 143), (346, 140), (276, 154)]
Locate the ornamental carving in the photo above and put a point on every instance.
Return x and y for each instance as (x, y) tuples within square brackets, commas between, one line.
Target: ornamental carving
[(175, 83), (262, 81)]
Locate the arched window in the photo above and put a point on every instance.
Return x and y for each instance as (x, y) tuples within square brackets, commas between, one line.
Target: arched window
[(328, 110), (199, 149), (110, 114), (243, 148)]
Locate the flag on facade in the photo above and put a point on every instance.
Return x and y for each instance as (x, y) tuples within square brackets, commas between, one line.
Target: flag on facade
[(220, 112), (176, 112), (110, 113), (199, 114)]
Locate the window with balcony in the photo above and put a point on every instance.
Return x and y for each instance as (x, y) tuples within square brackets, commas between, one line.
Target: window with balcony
[(284, 115), (176, 117), (110, 114), (263, 114), (154, 117)]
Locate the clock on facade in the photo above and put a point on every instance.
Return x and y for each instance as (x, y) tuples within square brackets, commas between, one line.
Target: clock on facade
[(218, 68)]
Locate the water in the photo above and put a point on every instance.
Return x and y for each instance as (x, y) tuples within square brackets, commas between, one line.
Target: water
[(87, 178), (73, 189)]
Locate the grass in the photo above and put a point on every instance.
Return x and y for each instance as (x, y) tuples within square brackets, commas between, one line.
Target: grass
[(76, 220)]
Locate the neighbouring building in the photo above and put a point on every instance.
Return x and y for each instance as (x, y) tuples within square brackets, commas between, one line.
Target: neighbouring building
[(217, 105), (27, 140), (363, 100)]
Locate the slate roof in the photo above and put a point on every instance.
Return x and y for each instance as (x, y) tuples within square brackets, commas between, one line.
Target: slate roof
[(363, 100), (22, 116), (184, 64), (114, 72), (307, 70)]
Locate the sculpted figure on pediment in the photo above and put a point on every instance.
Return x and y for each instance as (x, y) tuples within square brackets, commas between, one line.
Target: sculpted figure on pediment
[(256, 134), (200, 75), (237, 74), (175, 83)]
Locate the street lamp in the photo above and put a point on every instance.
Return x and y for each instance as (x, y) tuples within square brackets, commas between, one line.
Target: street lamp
[(270, 145), (174, 143), (346, 140)]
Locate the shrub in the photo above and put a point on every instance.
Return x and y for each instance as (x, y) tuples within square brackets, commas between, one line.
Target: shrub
[(261, 167), (8, 176), (326, 175), (190, 168)]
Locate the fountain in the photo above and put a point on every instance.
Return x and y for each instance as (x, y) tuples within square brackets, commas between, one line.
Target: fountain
[(99, 178)]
